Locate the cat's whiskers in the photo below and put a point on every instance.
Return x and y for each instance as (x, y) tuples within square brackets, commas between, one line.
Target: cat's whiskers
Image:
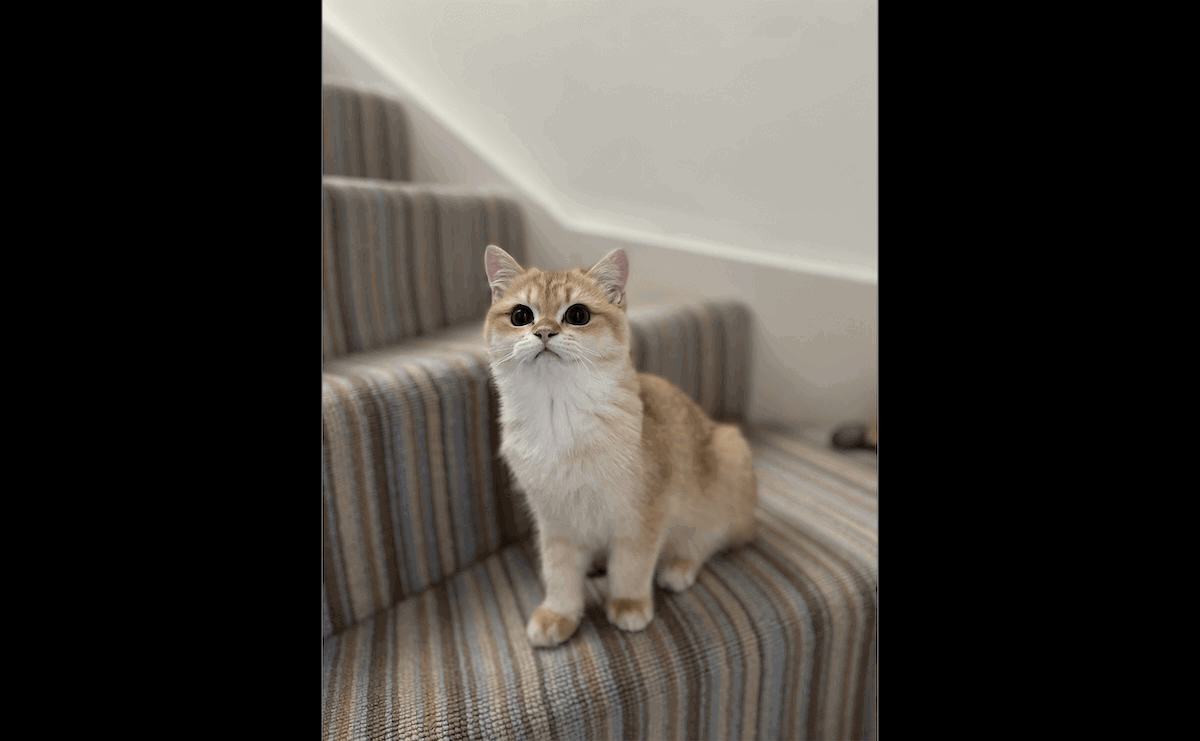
[(512, 354), (598, 355), (589, 351), (577, 352), (599, 373)]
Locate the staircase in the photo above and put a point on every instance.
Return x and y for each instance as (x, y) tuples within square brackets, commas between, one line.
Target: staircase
[(428, 576)]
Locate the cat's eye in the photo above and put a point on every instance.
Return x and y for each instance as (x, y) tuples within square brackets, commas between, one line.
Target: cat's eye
[(577, 314), (521, 316)]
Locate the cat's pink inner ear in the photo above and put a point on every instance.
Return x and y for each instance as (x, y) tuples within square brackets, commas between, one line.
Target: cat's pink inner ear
[(493, 264), (611, 273), (621, 261), (501, 269)]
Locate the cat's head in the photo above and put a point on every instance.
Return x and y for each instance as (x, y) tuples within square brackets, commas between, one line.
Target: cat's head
[(556, 322)]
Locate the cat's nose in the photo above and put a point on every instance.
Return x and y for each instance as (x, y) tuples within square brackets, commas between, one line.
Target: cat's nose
[(545, 334)]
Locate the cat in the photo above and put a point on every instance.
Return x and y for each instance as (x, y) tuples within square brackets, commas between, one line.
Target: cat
[(615, 465)]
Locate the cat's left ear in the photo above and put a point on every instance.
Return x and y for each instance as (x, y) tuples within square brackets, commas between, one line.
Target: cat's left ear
[(611, 273)]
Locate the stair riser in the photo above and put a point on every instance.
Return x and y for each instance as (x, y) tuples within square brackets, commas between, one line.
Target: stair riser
[(703, 348), (363, 135), (398, 262), (412, 487)]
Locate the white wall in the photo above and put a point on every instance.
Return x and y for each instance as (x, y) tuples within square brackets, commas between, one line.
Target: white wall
[(779, 210), (744, 122)]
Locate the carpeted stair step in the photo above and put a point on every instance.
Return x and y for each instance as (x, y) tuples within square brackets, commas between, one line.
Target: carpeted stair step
[(412, 488), (777, 640), (363, 134), (399, 260)]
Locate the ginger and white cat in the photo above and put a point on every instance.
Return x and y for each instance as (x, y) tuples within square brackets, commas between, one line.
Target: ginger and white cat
[(615, 464)]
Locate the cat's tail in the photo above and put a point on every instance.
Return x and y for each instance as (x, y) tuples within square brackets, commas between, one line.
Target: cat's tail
[(739, 485)]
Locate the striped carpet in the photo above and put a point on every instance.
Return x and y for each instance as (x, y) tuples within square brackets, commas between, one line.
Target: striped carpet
[(776, 640), (382, 241), (412, 488), (363, 134)]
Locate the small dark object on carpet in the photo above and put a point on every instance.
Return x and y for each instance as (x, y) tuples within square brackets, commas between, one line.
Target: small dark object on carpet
[(852, 436)]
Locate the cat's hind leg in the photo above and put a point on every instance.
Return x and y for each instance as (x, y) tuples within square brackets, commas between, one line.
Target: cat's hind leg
[(721, 515), (684, 553), (677, 575)]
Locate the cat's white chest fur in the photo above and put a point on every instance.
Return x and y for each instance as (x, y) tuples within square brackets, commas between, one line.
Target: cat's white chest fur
[(551, 415), (548, 420)]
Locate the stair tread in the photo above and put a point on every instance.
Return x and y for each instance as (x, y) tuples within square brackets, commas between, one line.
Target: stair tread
[(463, 337), (775, 640)]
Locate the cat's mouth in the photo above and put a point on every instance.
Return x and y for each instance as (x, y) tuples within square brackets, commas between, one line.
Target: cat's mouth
[(545, 351)]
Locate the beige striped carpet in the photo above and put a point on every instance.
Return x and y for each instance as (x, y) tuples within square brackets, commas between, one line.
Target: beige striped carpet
[(776, 640)]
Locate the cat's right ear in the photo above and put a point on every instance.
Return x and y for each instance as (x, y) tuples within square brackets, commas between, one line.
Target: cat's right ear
[(501, 269), (611, 273)]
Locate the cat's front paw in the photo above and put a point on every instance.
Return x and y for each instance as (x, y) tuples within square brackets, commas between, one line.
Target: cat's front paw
[(548, 628), (630, 614)]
